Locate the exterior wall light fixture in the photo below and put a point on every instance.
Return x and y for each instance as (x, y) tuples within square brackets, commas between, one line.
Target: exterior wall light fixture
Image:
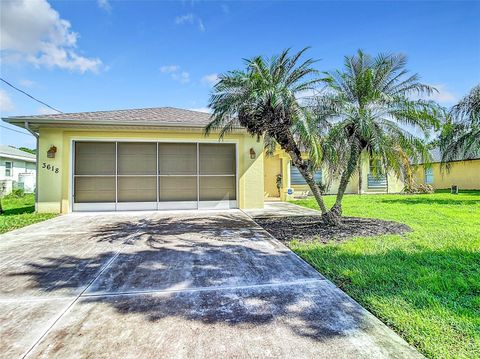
[(51, 152)]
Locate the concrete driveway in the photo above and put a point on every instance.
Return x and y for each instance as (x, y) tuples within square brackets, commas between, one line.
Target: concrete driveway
[(184, 284)]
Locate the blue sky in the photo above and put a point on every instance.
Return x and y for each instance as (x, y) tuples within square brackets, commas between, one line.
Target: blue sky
[(100, 55)]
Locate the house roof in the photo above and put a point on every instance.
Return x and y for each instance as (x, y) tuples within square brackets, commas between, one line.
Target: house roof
[(436, 156), (159, 116), (15, 153)]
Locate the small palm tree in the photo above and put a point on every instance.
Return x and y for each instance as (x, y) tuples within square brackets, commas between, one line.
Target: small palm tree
[(264, 98), (371, 108), (460, 137)]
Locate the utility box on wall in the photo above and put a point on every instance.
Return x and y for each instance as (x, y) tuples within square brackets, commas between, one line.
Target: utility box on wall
[(5, 187), (28, 180)]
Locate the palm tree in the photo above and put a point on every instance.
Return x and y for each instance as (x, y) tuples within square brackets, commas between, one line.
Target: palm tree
[(371, 106), (264, 98), (460, 137)]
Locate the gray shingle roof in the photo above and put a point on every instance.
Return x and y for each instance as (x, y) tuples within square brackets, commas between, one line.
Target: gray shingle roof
[(437, 156), (160, 116), (7, 151)]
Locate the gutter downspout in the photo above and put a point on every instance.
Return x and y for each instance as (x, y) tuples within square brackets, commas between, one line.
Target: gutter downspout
[(34, 134)]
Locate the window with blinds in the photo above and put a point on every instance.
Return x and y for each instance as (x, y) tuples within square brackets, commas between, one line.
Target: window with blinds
[(428, 175), (296, 177)]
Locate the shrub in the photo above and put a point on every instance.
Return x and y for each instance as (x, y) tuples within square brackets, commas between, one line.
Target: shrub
[(16, 193), (279, 182), (323, 187), (419, 188)]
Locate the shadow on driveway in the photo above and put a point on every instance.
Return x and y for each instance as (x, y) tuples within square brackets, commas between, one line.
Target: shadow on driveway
[(215, 285)]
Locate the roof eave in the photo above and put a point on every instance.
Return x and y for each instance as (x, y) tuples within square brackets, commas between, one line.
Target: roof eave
[(15, 157), (20, 122)]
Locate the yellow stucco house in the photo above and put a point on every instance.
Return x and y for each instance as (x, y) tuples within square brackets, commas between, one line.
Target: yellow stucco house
[(159, 158), (143, 159), (293, 185), (464, 173)]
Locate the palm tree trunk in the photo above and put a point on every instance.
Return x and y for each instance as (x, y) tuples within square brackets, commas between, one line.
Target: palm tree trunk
[(307, 174), (360, 178), (287, 142), (309, 178), (344, 179)]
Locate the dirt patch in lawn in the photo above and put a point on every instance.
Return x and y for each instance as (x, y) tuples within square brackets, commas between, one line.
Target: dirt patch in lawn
[(311, 228)]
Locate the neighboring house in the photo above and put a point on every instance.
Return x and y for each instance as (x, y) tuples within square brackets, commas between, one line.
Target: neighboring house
[(158, 158), (17, 170), (294, 185), (464, 173)]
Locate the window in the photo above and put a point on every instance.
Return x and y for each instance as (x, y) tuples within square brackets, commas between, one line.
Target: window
[(376, 179), (428, 175), (8, 168), (296, 177), (376, 168)]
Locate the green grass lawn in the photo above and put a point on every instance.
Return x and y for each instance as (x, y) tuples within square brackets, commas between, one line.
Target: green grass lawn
[(19, 212), (425, 284)]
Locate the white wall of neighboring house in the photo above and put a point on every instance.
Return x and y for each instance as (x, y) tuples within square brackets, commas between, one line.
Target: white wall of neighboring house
[(14, 171)]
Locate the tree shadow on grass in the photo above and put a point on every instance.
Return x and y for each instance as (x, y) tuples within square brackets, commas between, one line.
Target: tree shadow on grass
[(427, 199), (447, 279), (18, 210), (470, 192)]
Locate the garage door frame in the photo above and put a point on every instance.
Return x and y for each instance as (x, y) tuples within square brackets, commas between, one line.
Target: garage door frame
[(125, 206)]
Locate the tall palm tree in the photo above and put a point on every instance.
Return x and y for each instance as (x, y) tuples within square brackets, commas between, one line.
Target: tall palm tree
[(371, 106), (460, 137), (264, 98)]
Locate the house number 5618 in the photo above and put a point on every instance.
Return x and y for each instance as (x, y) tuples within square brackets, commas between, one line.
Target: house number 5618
[(50, 168)]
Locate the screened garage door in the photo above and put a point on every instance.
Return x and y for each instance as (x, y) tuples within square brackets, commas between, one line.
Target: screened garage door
[(113, 176)]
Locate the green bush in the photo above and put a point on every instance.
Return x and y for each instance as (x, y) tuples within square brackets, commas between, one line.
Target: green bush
[(419, 189), (323, 187), (16, 193)]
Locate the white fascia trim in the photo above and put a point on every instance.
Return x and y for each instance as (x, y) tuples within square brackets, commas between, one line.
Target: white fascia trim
[(21, 158)]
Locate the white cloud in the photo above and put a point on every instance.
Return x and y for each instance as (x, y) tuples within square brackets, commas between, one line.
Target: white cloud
[(190, 19), (168, 69), (32, 31), (443, 96), (201, 109), (6, 103), (27, 83), (176, 73), (45, 111), (210, 79), (200, 25), (185, 19), (182, 77), (105, 5), (307, 94)]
